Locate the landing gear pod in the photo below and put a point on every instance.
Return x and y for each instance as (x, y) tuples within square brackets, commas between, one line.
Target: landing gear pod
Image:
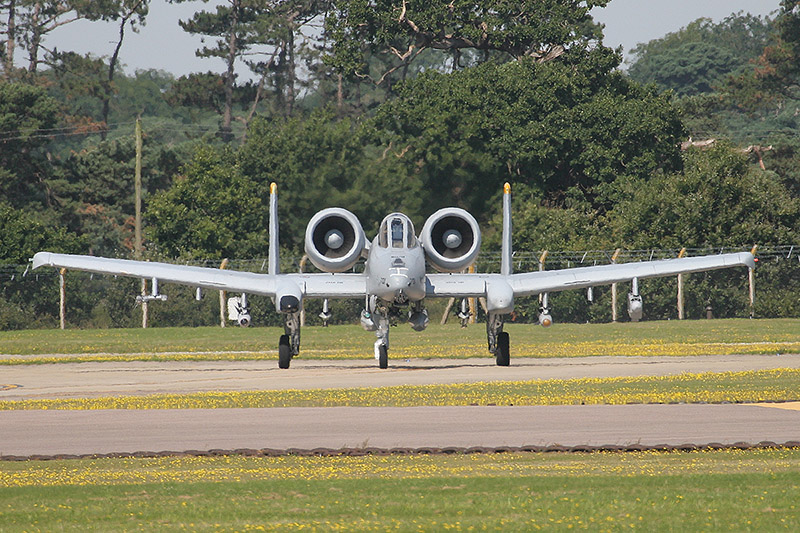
[(334, 240), (238, 310), (635, 307)]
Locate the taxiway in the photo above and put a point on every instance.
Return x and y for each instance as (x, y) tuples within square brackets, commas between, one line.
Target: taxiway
[(106, 431)]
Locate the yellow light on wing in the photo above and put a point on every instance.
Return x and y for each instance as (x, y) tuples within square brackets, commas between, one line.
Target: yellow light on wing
[(273, 188), (507, 188)]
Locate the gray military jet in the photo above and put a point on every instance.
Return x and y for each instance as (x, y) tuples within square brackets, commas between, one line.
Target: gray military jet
[(395, 281)]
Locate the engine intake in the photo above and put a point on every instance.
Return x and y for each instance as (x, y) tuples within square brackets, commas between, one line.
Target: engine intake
[(334, 239), (451, 239)]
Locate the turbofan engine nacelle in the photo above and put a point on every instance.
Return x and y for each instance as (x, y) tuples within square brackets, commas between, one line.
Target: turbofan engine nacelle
[(334, 240), (451, 239)]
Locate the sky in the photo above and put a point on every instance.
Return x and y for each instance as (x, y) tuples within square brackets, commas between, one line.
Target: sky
[(630, 22), (162, 44)]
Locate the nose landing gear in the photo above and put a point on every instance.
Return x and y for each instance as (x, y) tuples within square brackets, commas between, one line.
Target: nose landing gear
[(289, 342), (499, 343)]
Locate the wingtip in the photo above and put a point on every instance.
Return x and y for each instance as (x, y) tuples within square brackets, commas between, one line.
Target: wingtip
[(507, 188), (40, 259), (273, 188)]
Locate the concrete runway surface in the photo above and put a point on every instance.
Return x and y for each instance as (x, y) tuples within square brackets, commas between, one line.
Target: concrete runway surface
[(89, 380), (81, 432)]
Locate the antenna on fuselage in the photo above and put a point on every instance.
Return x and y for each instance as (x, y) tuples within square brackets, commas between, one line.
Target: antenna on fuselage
[(274, 264), (506, 266)]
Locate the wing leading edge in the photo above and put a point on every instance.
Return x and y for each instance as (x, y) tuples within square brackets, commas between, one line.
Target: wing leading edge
[(524, 284), (354, 285), (312, 285)]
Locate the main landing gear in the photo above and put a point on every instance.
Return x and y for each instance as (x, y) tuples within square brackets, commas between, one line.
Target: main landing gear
[(498, 339), (379, 318)]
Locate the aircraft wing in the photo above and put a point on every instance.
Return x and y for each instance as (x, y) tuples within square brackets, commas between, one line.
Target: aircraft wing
[(331, 285), (582, 277), (524, 284), (311, 285)]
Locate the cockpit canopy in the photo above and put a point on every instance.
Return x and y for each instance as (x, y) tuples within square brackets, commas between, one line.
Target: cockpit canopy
[(397, 231)]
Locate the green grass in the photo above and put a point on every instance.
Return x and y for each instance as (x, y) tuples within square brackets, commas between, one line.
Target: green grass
[(749, 386), (730, 336), (756, 490)]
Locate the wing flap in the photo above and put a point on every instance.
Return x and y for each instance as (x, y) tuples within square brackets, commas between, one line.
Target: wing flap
[(457, 285), (332, 285)]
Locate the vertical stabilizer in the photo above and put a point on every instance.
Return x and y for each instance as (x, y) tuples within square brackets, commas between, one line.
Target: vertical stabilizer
[(274, 265), (505, 260)]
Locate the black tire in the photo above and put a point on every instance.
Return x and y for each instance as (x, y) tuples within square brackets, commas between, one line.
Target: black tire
[(284, 352), (383, 356), (503, 354)]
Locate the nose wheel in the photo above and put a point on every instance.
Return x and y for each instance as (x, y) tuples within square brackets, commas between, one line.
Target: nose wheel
[(503, 353), (289, 342), (498, 339), (382, 354), (376, 318), (284, 352)]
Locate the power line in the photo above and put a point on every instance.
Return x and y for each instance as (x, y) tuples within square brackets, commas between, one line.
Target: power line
[(70, 131), (65, 131)]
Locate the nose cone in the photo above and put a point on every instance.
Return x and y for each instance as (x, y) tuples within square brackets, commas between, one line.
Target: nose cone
[(397, 282), (402, 288)]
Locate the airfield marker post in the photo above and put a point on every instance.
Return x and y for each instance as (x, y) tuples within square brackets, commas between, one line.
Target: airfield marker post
[(543, 304), (614, 288), (681, 314), (222, 297), (62, 308), (447, 310), (302, 267), (751, 278), (473, 306)]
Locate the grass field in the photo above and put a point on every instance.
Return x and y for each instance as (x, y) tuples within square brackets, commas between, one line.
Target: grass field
[(729, 490), (725, 490), (730, 336), (742, 387)]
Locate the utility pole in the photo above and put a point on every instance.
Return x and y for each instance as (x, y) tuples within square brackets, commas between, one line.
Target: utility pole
[(137, 241)]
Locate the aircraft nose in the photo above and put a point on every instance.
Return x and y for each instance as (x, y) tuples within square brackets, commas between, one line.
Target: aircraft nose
[(403, 288), (398, 282)]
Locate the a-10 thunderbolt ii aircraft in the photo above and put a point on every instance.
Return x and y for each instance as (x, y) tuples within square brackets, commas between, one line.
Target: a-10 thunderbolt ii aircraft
[(395, 276)]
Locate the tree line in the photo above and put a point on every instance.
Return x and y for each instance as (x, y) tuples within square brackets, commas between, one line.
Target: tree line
[(402, 105)]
